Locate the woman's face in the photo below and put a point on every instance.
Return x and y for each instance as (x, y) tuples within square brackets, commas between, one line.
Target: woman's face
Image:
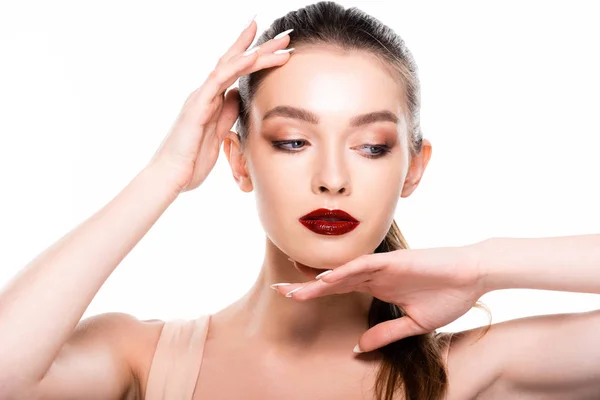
[(331, 161)]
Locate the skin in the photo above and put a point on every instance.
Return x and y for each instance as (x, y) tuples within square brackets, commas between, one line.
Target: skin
[(298, 348), (265, 345), (330, 169)]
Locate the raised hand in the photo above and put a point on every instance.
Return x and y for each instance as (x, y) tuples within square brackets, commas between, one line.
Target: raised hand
[(191, 148), (433, 286)]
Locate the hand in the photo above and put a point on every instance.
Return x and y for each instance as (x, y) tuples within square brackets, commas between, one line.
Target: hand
[(433, 286), (191, 148)]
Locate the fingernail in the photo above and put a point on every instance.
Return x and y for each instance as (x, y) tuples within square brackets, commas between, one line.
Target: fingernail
[(289, 294), (357, 349), (283, 51), (252, 50), (250, 23), (323, 274), (274, 286), (282, 34)]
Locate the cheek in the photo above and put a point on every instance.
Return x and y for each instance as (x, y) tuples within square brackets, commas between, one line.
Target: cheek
[(377, 195), (381, 181), (274, 181), (378, 198), (280, 194)]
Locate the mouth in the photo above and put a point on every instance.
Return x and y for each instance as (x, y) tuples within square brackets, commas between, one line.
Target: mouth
[(329, 222)]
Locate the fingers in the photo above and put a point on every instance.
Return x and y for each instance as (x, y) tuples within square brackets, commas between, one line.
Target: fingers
[(234, 63), (284, 289), (243, 41), (275, 44), (316, 288), (388, 332), (226, 74), (368, 263), (356, 275), (230, 67)]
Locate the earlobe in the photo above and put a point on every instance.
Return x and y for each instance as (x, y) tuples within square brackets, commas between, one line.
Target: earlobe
[(237, 162), (245, 183)]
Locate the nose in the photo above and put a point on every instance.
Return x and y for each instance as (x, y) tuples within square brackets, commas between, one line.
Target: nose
[(332, 176)]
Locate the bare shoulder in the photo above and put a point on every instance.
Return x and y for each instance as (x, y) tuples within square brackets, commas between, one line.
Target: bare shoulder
[(134, 339), (488, 361), (107, 356), (471, 364)]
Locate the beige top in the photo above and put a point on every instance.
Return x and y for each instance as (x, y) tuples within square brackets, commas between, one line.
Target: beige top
[(178, 357)]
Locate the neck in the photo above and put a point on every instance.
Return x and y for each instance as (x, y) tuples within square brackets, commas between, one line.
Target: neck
[(330, 322)]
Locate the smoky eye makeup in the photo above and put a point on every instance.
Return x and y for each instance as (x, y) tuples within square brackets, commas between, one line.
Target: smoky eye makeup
[(290, 138)]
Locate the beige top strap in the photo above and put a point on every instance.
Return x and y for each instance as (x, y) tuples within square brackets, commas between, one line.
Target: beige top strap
[(177, 359)]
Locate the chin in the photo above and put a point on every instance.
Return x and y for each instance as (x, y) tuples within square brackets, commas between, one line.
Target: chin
[(313, 266), (310, 272)]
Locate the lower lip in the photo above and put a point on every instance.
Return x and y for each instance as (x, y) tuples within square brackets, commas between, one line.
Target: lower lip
[(323, 227)]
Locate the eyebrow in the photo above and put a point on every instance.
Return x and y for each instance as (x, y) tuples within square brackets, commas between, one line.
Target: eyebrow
[(310, 117)]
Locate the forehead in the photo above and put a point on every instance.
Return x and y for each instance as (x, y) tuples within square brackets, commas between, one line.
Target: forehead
[(332, 84)]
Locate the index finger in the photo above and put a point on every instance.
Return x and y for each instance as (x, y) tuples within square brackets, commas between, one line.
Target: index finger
[(242, 43), (366, 263)]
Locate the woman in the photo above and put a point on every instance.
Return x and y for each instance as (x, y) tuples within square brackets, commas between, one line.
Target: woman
[(311, 138)]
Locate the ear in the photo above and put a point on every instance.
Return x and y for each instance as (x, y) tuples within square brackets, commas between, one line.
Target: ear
[(416, 169), (237, 161)]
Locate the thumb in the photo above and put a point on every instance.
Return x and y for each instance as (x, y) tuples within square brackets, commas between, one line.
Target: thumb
[(388, 332), (229, 113)]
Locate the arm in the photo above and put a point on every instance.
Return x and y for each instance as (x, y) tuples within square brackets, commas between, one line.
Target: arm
[(42, 356), (567, 263), (556, 356)]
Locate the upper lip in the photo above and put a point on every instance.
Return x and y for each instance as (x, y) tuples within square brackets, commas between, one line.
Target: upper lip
[(324, 213)]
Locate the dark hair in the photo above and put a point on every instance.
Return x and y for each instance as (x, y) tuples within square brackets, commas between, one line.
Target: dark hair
[(415, 363)]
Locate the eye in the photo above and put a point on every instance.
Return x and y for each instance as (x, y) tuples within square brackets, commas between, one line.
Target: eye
[(380, 150), (278, 144)]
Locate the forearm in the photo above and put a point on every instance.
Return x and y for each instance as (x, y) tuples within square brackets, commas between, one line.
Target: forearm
[(567, 263), (41, 306)]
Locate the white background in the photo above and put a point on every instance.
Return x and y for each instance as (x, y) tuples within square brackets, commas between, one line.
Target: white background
[(88, 91)]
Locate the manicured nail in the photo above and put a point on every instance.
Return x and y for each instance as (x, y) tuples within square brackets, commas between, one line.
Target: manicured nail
[(252, 50), (275, 285), (323, 274), (357, 349), (282, 34), (289, 294), (283, 51), (250, 23)]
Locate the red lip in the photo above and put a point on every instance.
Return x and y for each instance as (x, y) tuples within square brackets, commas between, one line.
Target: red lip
[(329, 222)]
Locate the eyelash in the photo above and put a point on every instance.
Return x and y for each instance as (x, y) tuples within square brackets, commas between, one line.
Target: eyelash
[(384, 148)]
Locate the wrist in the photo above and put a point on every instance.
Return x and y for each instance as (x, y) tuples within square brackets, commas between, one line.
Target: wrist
[(162, 179), (495, 266), (475, 256)]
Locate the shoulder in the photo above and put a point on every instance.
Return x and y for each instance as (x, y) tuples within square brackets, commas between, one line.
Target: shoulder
[(472, 357), (479, 358), (134, 339), (116, 323), (124, 331)]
